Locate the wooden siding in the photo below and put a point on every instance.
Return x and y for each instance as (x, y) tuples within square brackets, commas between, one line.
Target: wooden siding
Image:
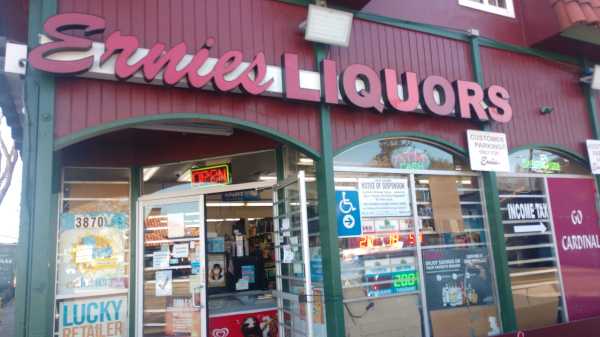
[(247, 25), (532, 83), (381, 46)]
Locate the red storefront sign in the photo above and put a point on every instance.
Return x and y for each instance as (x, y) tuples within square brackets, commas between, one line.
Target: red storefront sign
[(254, 324), (461, 99), (577, 232)]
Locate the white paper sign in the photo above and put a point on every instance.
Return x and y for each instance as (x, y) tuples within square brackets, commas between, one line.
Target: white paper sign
[(84, 254), (160, 260), (288, 254), (384, 197), (593, 149), (175, 225), (181, 250), (488, 151), (164, 283)]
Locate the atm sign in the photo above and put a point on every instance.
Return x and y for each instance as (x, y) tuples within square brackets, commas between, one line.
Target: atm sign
[(217, 174)]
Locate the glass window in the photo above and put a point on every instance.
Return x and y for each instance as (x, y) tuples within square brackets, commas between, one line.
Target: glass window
[(420, 264), (500, 7), (92, 262), (530, 251), (543, 161), (400, 153)]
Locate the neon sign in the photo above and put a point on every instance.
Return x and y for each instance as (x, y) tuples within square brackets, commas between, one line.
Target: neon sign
[(460, 99), (540, 165), (218, 174)]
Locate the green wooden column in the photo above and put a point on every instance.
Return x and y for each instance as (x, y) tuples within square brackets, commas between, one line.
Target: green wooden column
[(135, 191), (328, 229), (39, 197), (507, 309)]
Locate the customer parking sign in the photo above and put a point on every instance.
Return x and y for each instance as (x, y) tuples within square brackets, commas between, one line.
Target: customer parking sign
[(348, 213)]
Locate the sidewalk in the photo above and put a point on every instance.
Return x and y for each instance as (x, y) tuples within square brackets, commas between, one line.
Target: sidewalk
[(7, 319)]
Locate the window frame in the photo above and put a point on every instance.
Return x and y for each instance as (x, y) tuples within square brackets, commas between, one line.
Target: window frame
[(485, 7)]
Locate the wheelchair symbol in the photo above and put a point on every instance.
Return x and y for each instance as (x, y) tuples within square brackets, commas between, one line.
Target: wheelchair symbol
[(346, 205)]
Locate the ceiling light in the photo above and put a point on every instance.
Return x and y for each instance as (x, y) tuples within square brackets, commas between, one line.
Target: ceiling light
[(259, 204), (185, 177), (306, 162), (149, 172), (267, 178), (224, 204), (203, 129), (328, 26)]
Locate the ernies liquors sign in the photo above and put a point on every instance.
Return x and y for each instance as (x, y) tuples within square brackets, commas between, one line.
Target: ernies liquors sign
[(69, 50)]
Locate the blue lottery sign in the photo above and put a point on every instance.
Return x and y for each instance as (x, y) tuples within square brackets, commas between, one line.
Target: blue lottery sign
[(348, 213)]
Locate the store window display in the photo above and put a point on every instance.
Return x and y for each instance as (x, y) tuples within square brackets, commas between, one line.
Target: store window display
[(417, 261), (532, 195)]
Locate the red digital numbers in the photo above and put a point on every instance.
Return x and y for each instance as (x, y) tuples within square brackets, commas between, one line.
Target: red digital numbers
[(388, 240)]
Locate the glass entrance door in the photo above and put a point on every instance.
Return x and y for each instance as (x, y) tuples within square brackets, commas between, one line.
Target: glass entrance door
[(295, 296), (171, 297)]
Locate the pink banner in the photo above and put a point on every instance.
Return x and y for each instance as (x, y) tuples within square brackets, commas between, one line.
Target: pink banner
[(577, 232)]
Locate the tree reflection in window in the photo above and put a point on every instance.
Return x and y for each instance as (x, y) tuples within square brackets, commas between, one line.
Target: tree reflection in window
[(400, 153)]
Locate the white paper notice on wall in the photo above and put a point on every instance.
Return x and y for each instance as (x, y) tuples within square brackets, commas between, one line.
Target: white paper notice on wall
[(164, 283), (160, 260), (593, 149), (175, 225), (181, 250), (488, 151)]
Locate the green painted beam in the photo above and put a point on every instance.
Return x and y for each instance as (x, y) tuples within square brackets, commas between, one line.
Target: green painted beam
[(492, 202), (135, 191), (328, 224)]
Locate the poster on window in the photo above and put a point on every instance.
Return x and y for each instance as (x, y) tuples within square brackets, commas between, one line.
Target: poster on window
[(216, 270), (457, 277), (578, 242), (92, 252), (384, 197), (103, 316)]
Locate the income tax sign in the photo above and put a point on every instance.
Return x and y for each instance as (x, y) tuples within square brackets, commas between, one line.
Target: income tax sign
[(121, 57)]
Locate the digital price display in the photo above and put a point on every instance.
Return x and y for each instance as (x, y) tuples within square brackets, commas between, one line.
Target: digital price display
[(391, 283), (393, 240), (217, 174)]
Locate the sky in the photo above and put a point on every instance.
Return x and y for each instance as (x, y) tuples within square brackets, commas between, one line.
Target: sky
[(10, 207)]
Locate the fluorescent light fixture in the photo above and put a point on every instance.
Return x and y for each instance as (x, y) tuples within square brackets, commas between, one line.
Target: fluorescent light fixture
[(267, 178), (345, 180), (328, 26), (596, 78), (466, 181), (185, 177), (423, 181), (306, 162), (259, 204), (150, 172), (224, 204), (203, 129)]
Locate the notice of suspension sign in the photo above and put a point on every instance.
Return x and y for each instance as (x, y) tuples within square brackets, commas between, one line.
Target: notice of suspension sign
[(384, 197)]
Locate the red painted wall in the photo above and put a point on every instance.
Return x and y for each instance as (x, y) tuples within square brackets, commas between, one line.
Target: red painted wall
[(272, 28), (448, 13), (532, 83), (247, 25), (382, 46)]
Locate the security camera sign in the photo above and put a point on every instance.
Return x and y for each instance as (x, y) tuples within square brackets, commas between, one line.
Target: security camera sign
[(348, 213), (488, 151)]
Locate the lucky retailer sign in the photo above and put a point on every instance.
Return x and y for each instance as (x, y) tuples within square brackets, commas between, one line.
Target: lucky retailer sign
[(488, 151), (97, 317), (577, 235)]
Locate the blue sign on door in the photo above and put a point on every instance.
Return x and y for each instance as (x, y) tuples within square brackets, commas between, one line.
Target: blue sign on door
[(348, 213)]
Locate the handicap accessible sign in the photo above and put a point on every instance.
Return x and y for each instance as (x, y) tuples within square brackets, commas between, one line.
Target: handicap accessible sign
[(348, 213)]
